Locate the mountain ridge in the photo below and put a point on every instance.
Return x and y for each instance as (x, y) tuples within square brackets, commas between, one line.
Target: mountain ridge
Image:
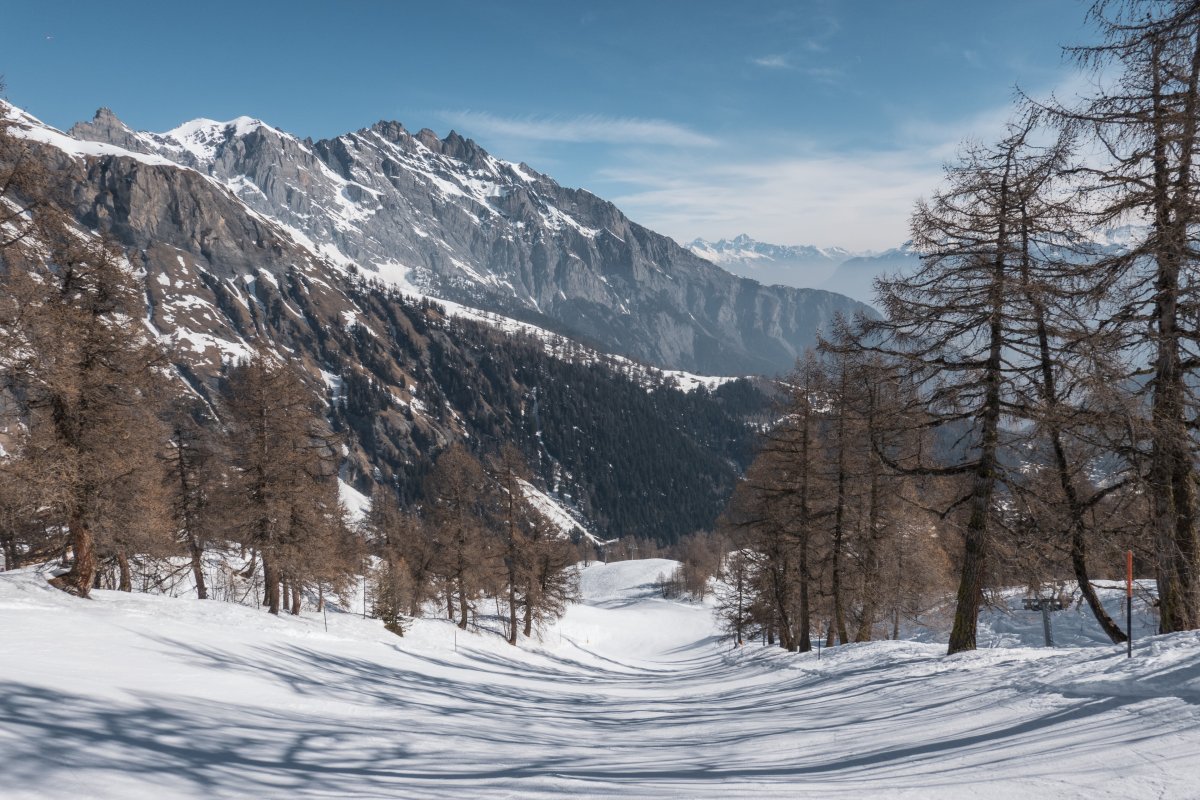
[(460, 224)]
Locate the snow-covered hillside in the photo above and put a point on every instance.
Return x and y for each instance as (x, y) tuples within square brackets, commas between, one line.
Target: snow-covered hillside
[(630, 695)]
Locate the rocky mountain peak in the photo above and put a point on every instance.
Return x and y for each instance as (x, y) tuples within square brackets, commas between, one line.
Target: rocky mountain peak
[(105, 116), (105, 126), (430, 139), (391, 130), (465, 150)]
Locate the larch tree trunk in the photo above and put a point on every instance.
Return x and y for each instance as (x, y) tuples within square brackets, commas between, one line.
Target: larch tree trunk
[(79, 579), (125, 581), (197, 554)]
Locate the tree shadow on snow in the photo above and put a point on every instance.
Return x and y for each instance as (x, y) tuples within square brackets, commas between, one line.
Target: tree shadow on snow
[(403, 722)]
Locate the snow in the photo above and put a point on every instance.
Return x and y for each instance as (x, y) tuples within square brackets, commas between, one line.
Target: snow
[(441, 173), (1007, 624), (689, 382), (201, 342), (520, 172), (555, 219), (357, 504), (555, 512), (141, 696), (29, 127), (407, 280), (202, 137)]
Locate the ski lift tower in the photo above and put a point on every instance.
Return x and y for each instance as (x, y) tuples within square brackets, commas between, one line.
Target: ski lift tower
[(603, 545)]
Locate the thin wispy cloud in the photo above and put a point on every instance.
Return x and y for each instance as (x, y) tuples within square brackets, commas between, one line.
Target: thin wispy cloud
[(772, 62), (583, 128), (852, 200), (818, 74), (825, 74), (780, 186), (857, 199)]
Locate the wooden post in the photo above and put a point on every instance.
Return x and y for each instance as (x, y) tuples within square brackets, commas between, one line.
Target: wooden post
[(1129, 603)]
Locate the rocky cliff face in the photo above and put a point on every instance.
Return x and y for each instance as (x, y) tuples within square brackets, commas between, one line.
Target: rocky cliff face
[(444, 217)]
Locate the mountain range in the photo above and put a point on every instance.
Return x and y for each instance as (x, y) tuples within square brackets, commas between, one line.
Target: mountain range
[(832, 269), (442, 217), (433, 293)]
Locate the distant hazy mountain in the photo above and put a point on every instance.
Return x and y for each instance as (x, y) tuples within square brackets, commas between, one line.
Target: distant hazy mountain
[(801, 266), (855, 277), (834, 269)]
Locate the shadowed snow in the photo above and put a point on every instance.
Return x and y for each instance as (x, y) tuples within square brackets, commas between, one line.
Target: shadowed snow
[(139, 696)]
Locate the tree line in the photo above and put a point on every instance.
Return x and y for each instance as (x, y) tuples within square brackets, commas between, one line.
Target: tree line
[(1027, 405)]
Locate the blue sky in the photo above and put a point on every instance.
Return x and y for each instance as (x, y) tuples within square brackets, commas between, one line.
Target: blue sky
[(812, 121)]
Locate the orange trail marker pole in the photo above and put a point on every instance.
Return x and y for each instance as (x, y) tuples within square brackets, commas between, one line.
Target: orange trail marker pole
[(1129, 603)]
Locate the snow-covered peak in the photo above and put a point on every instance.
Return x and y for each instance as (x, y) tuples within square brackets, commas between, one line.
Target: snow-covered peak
[(201, 126), (1123, 237), (196, 143), (791, 265), (743, 246), (202, 137), (906, 250), (29, 127)]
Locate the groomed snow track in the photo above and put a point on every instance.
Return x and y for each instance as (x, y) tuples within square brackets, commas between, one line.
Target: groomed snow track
[(138, 696)]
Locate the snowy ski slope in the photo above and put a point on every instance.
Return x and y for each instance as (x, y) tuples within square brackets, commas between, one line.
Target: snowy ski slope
[(139, 696)]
